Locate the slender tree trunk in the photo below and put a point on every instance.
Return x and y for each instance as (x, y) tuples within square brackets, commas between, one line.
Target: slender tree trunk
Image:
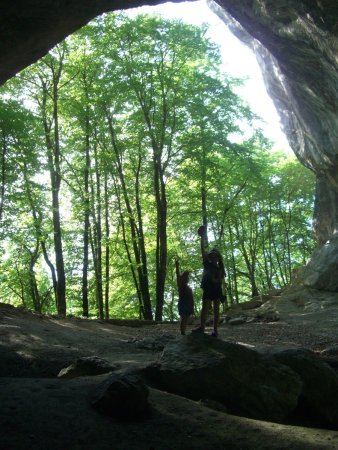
[(288, 221), (37, 216), (161, 233), (96, 233), (157, 144), (51, 267), (3, 174), (60, 277), (142, 284), (204, 192), (232, 292), (107, 245), (144, 278), (126, 246), (34, 255), (267, 231), (53, 151), (249, 261), (86, 224), (56, 184), (280, 273), (32, 279), (21, 295)]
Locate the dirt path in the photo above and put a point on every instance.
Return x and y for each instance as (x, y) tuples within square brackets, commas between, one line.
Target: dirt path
[(39, 411)]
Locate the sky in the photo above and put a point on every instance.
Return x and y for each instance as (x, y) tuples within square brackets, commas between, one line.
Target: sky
[(238, 61)]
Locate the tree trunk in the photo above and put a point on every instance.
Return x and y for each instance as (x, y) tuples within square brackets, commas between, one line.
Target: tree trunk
[(250, 260), (130, 260), (3, 175), (143, 276), (142, 283), (32, 279), (161, 233), (97, 234), (107, 245), (50, 265), (53, 153), (86, 225), (204, 192), (232, 291)]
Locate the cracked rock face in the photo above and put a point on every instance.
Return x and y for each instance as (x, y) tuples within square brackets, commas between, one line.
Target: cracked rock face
[(296, 46), (295, 43)]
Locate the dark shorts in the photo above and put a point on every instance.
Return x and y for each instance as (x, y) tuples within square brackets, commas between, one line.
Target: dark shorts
[(185, 309), (213, 292)]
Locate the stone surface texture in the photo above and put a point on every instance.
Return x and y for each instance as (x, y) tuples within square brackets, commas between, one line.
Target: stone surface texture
[(202, 367), (40, 411), (296, 46)]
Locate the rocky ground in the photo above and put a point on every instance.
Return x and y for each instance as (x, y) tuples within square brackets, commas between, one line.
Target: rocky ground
[(40, 411)]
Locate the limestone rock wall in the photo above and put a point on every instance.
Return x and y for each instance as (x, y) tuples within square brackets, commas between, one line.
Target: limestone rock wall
[(296, 46)]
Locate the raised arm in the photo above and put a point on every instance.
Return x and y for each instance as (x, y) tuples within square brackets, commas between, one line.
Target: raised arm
[(177, 266), (202, 233)]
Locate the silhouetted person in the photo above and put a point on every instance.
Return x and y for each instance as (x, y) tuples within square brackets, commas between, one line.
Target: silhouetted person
[(185, 297), (212, 281)]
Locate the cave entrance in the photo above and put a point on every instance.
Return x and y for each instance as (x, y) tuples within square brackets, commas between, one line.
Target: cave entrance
[(130, 189)]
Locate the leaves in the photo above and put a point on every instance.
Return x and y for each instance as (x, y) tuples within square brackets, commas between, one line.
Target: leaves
[(147, 139)]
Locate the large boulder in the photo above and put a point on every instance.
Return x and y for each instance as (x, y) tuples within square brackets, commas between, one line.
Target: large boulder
[(270, 383), (123, 396), (296, 301), (87, 366), (319, 395), (321, 272), (246, 383)]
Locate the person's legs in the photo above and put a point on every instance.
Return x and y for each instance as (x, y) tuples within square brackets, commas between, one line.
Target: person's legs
[(183, 324), (204, 313), (216, 316), (204, 316)]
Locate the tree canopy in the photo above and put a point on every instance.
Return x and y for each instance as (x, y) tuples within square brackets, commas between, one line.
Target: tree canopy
[(121, 142)]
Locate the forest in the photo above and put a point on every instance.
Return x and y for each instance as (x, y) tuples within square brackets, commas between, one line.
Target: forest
[(114, 148)]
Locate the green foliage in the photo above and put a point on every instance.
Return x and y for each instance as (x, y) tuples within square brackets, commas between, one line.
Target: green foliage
[(153, 141)]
